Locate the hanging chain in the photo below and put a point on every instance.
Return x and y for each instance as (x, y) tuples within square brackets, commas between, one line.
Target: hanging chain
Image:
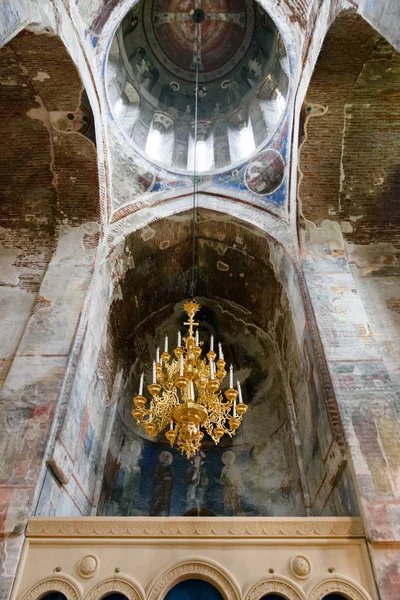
[(195, 182)]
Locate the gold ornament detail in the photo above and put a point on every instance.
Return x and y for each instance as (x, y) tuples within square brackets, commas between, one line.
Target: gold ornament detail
[(186, 395)]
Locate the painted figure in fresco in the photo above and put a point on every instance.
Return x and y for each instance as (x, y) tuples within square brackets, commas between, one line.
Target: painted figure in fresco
[(129, 484), (197, 479), (231, 480), (134, 21), (143, 68), (160, 499), (233, 90), (265, 172), (167, 95)]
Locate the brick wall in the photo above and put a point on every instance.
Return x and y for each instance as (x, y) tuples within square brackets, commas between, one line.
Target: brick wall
[(49, 224)]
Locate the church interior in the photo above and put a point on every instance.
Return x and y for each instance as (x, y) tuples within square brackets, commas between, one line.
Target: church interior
[(200, 300)]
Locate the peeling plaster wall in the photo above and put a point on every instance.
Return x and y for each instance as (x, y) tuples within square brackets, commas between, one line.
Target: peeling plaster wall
[(64, 242), (49, 229), (231, 257), (348, 190)]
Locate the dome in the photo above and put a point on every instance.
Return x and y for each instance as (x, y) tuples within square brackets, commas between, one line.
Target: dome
[(242, 81)]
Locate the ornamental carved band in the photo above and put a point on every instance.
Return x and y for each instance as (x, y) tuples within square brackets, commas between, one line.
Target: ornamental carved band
[(336, 586), (52, 585), (273, 586), (113, 586), (192, 569)]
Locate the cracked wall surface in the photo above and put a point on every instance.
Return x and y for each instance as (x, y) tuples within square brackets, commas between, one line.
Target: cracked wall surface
[(348, 197), (49, 232), (333, 316)]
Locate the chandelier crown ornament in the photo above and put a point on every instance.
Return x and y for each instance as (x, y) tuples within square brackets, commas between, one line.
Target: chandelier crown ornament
[(185, 393)]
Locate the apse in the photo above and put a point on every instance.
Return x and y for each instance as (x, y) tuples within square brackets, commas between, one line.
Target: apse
[(253, 473), (242, 82), (269, 467)]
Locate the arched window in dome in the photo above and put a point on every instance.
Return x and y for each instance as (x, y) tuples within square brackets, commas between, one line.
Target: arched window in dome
[(334, 597), (194, 589)]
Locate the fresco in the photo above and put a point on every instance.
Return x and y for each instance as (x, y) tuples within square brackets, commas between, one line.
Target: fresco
[(264, 174), (151, 479), (243, 85), (158, 481), (254, 473)]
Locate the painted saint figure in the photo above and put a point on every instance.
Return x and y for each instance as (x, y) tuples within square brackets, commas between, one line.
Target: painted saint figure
[(231, 480), (197, 479), (160, 499)]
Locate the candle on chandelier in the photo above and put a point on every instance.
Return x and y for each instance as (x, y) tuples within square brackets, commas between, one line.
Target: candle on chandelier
[(158, 355), (240, 397), (212, 343), (171, 425), (179, 339), (231, 376), (166, 344), (239, 391), (220, 353), (197, 337), (154, 372), (141, 384), (212, 370), (181, 365)]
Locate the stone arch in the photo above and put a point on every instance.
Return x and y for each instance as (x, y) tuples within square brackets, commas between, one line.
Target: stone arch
[(127, 220), (145, 250), (350, 589), (200, 568), (277, 584), (54, 584), (121, 585)]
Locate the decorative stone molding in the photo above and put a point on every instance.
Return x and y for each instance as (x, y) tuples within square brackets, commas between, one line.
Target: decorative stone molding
[(114, 585), (276, 585), (336, 585), (197, 569), (300, 566), (88, 566), (54, 584), (184, 527)]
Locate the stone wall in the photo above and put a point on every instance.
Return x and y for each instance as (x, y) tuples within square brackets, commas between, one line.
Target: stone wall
[(348, 190), (49, 228)]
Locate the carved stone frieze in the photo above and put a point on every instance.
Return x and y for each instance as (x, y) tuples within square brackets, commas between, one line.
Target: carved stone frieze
[(112, 586), (338, 586), (196, 569), (206, 528), (54, 584)]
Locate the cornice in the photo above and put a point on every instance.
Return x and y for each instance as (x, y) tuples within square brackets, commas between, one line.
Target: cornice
[(197, 527)]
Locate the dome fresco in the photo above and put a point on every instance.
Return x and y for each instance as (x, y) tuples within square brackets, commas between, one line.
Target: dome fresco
[(242, 81)]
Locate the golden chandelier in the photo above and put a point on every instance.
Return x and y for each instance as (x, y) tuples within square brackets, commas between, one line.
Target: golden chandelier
[(186, 396)]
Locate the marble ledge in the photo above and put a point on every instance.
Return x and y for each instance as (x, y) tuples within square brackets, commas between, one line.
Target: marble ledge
[(195, 527)]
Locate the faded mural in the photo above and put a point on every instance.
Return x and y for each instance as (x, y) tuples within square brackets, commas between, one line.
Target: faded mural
[(254, 473), (243, 89), (147, 478)]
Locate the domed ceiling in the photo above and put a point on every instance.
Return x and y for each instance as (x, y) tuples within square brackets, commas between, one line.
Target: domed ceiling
[(242, 81)]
